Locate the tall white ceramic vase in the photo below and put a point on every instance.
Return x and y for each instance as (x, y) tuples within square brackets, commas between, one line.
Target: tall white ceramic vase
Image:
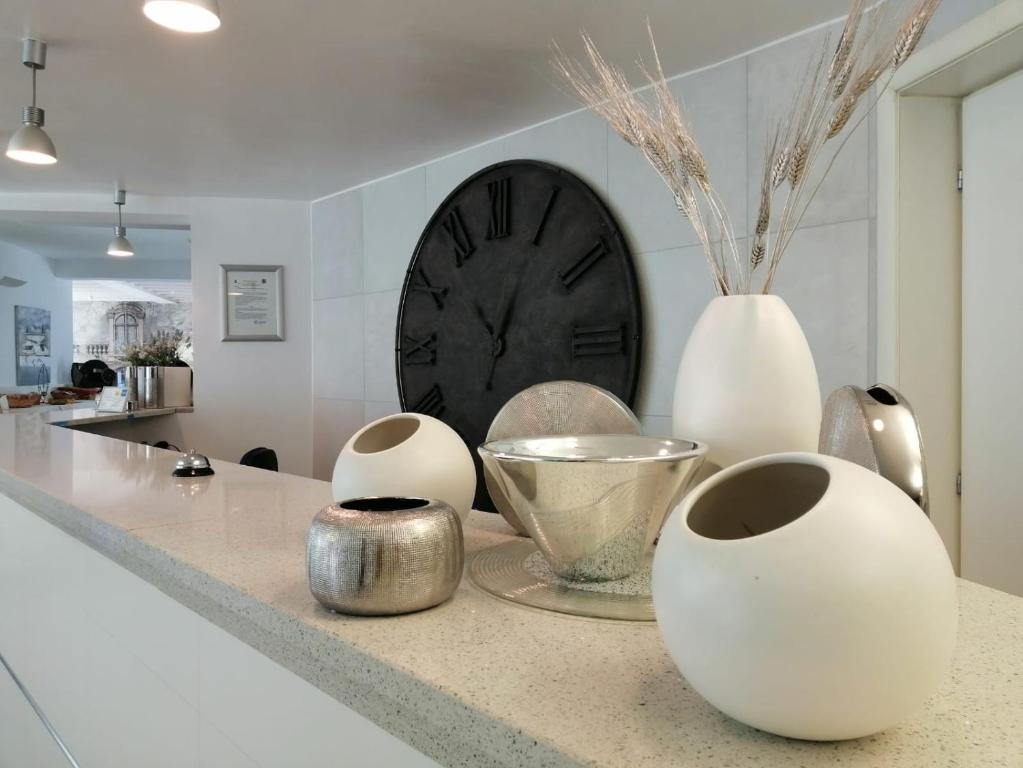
[(747, 384)]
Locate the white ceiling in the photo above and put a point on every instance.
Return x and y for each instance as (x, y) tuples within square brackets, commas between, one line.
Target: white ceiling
[(301, 98), (62, 241), (154, 291)]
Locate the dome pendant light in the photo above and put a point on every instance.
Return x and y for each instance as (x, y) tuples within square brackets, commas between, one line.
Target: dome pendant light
[(184, 15), (119, 246), (30, 144)]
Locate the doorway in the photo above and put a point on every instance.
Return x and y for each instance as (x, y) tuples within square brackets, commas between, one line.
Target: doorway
[(941, 305)]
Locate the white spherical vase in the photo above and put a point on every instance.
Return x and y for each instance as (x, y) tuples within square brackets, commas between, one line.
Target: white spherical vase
[(747, 384), (806, 596), (407, 454)]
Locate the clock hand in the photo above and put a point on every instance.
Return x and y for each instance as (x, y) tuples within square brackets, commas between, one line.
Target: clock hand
[(477, 310), (497, 335)]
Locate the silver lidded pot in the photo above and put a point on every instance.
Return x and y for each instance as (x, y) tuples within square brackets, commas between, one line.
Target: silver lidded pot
[(383, 556)]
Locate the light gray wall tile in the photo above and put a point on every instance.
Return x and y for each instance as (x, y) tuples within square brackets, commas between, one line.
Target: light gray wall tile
[(444, 175), (337, 246), (338, 348), (656, 426), (824, 279), (715, 101), (334, 422), (374, 410), (577, 142), (775, 73), (676, 286), (381, 322), (393, 217), (716, 104)]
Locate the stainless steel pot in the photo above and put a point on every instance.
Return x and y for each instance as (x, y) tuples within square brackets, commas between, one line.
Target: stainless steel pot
[(384, 556), (143, 386)]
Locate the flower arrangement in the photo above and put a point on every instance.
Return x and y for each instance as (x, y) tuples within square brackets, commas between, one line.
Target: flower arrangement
[(165, 351), (875, 41)]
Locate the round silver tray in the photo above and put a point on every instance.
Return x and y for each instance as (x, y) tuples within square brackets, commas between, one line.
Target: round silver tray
[(516, 571)]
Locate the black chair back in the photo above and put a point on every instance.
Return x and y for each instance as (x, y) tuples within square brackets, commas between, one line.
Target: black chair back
[(261, 458)]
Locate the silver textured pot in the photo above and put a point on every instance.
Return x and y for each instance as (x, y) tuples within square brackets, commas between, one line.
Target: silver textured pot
[(384, 556), (594, 504)]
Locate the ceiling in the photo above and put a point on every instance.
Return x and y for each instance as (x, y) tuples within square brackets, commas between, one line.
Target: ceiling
[(63, 241), (300, 98), (153, 291)]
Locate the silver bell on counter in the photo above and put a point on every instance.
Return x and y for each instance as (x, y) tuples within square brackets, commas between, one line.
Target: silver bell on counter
[(192, 464), (384, 556)]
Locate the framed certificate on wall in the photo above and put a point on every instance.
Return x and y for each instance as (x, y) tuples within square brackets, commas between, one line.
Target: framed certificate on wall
[(253, 299)]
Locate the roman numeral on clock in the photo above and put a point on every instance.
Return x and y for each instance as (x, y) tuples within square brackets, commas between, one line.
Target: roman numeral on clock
[(459, 235), (430, 404), (421, 351), (421, 283), (546, 215), (499, 193), (594, 340), (582, 265)]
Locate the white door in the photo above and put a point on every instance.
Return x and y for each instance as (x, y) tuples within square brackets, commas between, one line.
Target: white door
[(992, 505)]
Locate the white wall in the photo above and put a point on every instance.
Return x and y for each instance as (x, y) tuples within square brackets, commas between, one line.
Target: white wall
[(44, 291), (247, 394)]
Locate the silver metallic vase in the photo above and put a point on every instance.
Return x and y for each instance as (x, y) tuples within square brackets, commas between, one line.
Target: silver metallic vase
[(877, 429), (384, 556)]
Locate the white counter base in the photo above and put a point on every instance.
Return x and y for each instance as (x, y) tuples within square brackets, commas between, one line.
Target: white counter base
[(130, 677)]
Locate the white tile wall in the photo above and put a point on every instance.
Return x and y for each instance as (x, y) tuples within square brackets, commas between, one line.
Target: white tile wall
[(337, 246), (338, 348), (381, 313), (393, 217), (828, 276), (334, 421)]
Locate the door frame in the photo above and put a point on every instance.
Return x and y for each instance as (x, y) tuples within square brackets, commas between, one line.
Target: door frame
[(979, 53)]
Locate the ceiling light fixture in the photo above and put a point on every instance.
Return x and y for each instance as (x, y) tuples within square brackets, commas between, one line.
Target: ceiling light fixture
[(119, 246), (30, 144), (184, 15)]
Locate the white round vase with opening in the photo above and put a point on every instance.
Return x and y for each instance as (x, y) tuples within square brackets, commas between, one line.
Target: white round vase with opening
[(806, 596), (407, 455), (746, 384)]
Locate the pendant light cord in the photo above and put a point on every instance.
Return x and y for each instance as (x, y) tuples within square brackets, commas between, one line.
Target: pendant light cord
[(34, 70)]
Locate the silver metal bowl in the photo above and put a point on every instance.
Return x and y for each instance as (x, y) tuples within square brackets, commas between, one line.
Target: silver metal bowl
[(556, 408), (877, 429), (384, 556), (594, 504)]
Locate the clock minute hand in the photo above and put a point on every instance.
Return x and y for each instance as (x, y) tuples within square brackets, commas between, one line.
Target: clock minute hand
[(497, 335)]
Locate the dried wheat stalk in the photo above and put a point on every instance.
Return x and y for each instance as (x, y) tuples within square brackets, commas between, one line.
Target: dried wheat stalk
[(827, 105)]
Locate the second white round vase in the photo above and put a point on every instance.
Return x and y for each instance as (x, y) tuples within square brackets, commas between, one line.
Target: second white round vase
[(806, 596), (747, 384), (410, 455)]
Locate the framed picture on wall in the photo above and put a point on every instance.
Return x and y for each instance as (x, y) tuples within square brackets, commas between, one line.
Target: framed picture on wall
[(32, 345), (253, 301)]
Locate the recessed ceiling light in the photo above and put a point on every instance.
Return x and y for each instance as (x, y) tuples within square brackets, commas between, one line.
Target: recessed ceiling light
[(120, 246), (184, 15), (30, 143)]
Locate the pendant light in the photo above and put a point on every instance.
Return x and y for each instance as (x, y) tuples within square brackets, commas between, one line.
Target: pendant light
[(119, 246), (184, 15), (30, 144)]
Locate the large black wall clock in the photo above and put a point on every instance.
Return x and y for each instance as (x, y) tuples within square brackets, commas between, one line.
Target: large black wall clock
[(521, 276)]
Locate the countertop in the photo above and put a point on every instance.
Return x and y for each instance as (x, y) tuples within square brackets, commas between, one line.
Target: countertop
[(476, 681)]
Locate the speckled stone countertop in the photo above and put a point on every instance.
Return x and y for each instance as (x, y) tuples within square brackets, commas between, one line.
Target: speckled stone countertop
[(476, 681)]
